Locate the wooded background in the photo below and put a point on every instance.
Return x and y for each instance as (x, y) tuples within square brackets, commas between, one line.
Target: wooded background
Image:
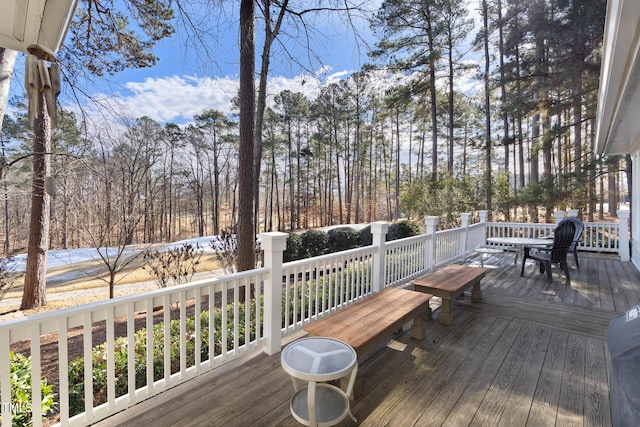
[(392, 140)]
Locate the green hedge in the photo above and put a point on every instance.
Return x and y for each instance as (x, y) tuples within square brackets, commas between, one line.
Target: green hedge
[(342, 239), (314, 243), (365, 236), (403, 229), (21, 392), (294, 248)]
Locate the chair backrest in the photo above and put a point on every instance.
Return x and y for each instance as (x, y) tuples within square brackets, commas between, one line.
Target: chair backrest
[(563, 237), (579, 227)]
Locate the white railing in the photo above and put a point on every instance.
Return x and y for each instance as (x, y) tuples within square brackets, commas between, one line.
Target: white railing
[(180, 320), (406, 259), (318, 286), (449, 246), (516, 229), (596, 236)]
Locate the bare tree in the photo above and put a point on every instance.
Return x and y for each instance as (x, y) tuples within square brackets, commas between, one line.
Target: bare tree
[(7, 61), (114, 197)]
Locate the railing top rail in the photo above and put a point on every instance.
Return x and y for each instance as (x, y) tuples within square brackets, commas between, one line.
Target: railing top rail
[(404, 241), (449, 231), (327, 257)]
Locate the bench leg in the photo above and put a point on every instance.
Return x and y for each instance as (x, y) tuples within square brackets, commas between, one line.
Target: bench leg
[(446, 318), (476, 292), (417, 328)]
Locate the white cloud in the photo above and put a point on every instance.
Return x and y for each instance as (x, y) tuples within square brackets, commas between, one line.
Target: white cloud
[(178, 98)]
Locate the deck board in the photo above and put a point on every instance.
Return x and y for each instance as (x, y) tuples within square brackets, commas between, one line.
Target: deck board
[(545, 399), (532, 352), (447, 397), (518, 403), (596, 393)]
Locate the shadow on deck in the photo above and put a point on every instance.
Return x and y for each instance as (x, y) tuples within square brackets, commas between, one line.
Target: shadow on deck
[(532, 352)]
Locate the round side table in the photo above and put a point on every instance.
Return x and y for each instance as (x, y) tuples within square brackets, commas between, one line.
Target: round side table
[(318, 360)]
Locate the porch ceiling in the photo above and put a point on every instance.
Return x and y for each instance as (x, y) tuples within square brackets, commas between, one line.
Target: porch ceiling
[(41, 24), (618, 117)]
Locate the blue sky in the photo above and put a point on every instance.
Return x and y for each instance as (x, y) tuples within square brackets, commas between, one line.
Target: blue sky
[(185, 82)]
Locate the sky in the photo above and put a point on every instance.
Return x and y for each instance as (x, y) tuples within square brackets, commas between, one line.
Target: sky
[(187, 81), (190, 78)]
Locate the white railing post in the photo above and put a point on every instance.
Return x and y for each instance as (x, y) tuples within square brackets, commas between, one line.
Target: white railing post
[(623, 224), (273, 244), (484, 214), (559, 216), (431, 222), (465, 218), (573, 212), (379, 233)]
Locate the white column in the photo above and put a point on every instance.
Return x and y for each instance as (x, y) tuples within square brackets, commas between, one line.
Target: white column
[(559, 216), (573, 212), (431, 223), (379, 232), (484, 214), (623, 218), (465, 218), (273, 244)]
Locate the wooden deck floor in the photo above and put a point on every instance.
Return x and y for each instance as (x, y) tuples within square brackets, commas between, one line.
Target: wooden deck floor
[(531, 353)]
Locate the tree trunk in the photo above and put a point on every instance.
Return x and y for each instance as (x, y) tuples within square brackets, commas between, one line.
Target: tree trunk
[(270, 36), (503, 88), (7, 62), (487, 106), (246, 230), (34, 294)]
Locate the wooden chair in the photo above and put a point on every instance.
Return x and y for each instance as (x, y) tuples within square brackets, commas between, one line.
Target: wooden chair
[(563, 237)]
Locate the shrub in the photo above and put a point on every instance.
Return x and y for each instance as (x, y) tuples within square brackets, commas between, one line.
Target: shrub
[(8, 277), (314, 242), (225, 247), (403, 228), (21, 391), (343, 238), (174, 266), (365, 236), (294, 248)]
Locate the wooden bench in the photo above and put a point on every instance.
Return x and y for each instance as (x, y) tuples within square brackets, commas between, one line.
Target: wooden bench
[(367, 323), (450, 282)]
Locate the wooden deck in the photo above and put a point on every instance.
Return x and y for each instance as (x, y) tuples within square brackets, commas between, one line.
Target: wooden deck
[(531, 353)]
